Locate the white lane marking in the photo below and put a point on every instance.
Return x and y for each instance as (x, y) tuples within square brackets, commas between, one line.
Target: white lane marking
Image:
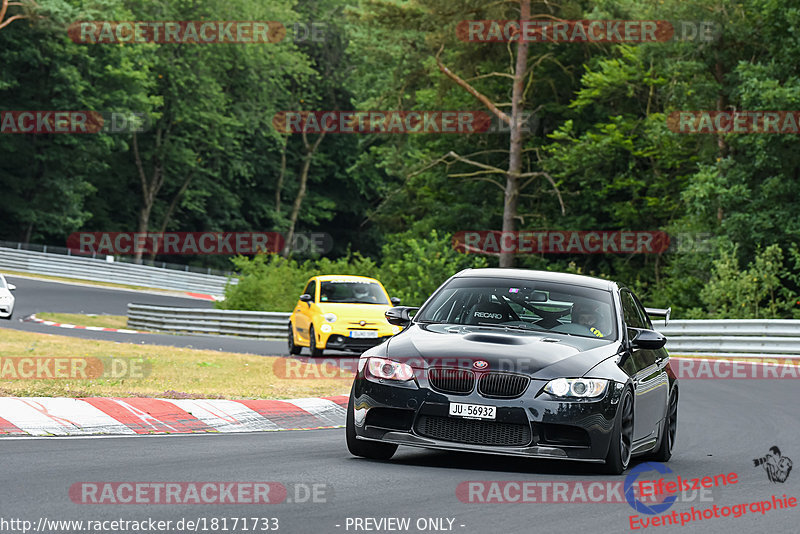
[(324, 409), (225, 415), (42, 416)]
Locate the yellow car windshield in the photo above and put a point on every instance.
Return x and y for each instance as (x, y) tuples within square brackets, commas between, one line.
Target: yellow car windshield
[(352, 292)]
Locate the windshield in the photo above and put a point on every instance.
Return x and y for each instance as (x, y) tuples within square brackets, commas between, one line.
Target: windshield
[(2, 282), (354, 292), (518, 304)]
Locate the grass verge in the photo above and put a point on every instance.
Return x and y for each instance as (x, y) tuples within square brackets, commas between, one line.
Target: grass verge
[(170, 371)]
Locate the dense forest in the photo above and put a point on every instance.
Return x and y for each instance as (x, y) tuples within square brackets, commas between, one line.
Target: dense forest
[(581, 140)]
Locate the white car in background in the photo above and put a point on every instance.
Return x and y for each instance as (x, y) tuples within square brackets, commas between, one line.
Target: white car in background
[(6, 298)]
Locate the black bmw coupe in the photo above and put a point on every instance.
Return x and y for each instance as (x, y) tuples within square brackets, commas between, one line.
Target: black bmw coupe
[(523, 363)]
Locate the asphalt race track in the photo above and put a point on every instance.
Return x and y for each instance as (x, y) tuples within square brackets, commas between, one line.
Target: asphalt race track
[(37, 296), (723, 425)]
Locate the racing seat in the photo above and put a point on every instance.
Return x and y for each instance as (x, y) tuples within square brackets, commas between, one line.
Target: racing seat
[(488, 312)]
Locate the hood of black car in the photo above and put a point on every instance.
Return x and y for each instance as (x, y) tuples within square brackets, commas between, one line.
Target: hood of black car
[(542, 355)]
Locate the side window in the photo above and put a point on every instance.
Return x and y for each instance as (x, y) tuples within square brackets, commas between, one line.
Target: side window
[(311, 289), (630, 311), (646, 318), (635, 318)]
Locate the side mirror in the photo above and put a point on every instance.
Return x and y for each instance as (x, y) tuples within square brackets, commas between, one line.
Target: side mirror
[(11, 287), (395, 301), (646, 339), (305, 297), (399, 315)]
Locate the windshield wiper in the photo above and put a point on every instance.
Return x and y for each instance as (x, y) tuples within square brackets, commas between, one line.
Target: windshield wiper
[(508, 326)]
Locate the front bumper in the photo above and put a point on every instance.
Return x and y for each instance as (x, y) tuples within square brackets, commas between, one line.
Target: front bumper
[(6, 310), (533, 425), (341, 340), (404, 438)]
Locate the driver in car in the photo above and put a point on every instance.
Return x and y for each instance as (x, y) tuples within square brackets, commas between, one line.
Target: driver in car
[(363, 294), (587, 315)]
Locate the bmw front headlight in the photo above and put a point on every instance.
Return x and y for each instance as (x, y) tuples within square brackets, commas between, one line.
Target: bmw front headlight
[(389, 369), (582, 388)]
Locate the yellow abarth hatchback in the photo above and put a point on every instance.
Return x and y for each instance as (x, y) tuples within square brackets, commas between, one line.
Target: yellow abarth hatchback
[(340, 312)]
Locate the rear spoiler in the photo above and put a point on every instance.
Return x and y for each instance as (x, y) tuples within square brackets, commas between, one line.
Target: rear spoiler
[(659, 312)]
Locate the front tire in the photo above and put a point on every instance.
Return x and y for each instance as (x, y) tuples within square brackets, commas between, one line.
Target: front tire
[(312, 344), (293, 349), (619, 450), (670, 430), (373, 450)]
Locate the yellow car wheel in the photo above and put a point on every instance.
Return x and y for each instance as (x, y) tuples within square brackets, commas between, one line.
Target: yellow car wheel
[(312, 343), (293, 349)]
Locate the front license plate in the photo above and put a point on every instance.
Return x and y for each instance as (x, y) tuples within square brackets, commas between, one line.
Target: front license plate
[(472, 411), (370, 334)]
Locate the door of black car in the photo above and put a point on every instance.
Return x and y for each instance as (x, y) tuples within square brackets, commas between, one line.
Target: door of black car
[(646, 369)]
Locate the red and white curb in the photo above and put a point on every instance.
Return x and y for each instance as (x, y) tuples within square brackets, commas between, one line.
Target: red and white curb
[(204, 296), (35, 319), (59, 416)]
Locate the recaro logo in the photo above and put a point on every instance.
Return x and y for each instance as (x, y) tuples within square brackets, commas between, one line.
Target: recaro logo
[(487, 315)]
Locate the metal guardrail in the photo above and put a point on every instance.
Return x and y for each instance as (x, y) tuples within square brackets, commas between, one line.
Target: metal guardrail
[(205, 321), (64, 251), (97, 270), (733, 337)]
